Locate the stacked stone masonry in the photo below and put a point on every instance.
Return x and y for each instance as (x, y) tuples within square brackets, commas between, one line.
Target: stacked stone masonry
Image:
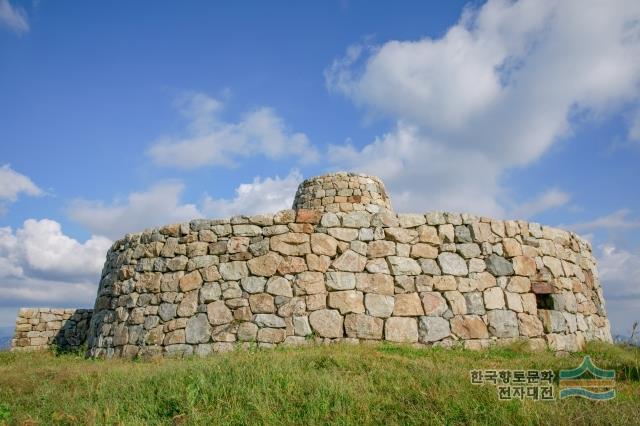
[(43, 328), (342, 266), (341, 192), (305, 275)]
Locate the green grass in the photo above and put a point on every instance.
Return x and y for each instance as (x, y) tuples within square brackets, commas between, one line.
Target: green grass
[(337, 384)]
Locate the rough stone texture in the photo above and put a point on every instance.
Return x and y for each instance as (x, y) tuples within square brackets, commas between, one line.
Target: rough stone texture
[(340, 265), (43, 328), (401, 330)]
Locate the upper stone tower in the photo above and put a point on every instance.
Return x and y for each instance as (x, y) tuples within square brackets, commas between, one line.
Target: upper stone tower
[(342, 191)]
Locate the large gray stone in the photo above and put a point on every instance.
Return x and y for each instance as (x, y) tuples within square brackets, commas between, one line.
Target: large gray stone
[(498, 265), (269, 320), (198, 329), (341, 280), (433, 329), (379, 305), (253, 284), (503, 323), (404, 266), (232, 271), (452, 264)]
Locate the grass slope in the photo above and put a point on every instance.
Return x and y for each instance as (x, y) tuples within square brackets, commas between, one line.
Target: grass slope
[(338, 384)]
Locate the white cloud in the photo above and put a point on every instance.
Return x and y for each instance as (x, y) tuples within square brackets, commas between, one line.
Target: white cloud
[(13, 17), (550, 199), (616, 220), (211, 141), (260, 196), (495, 92), (12, 184), (619, 272), (41, 266), (422, 174), (159, 205)]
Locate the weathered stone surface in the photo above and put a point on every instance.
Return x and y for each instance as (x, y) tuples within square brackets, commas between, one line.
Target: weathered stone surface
[(350, 261), (401, 235), (552, 321), (233, 270), (271, 335), (301, 326), (341, 280), (468, 250), (363, 326), (426, 251), (519, 284), (502, 323), (347, 301), (253, 284), (499, 266), (343, 234), (379, 305), (456, 301), (511, 247), (541, 288), (494, 298), (374, 283), (524, 265), (475, 303), (403, 266), (469, 327), (309, 283), (279, 286), (189, 304), (356, 220), (452, 264), (444, 283), (269, 320), (407, 305), (401, 330), (218, 313), (323, 244), (292, 265), (247, 332), (434, 304), (264, 266), (381, 248), (326, 323), (530, 325), (198, 329), (262, 303), (433, 329), (291, 244)]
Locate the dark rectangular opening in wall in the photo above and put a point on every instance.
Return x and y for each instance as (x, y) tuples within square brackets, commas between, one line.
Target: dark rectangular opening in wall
[(544, 301)]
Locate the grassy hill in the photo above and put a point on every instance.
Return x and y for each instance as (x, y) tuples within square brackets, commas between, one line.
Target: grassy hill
[(342, 384)]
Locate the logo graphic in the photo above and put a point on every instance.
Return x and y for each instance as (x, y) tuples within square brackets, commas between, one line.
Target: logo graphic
[(588, 381)]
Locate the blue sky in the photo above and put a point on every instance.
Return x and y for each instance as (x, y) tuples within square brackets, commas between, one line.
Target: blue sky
[(118, 116)]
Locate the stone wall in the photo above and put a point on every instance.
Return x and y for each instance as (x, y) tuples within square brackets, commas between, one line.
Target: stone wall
[(44, 328), (341, 192), (305, 275)]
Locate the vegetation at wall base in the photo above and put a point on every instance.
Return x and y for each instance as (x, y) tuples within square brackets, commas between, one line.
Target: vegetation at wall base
[(337, 384)]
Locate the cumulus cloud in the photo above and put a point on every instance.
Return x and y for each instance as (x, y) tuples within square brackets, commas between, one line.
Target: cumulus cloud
[(14, 18), (12, 184), (260, 196), (616, 220), (40, 265), (157, 206), (209, 140), (620, 270), (495, 92), (550, 199), (422, 174)]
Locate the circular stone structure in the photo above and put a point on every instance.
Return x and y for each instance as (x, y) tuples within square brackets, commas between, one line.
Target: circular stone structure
[(342, 192), (342, 266)]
